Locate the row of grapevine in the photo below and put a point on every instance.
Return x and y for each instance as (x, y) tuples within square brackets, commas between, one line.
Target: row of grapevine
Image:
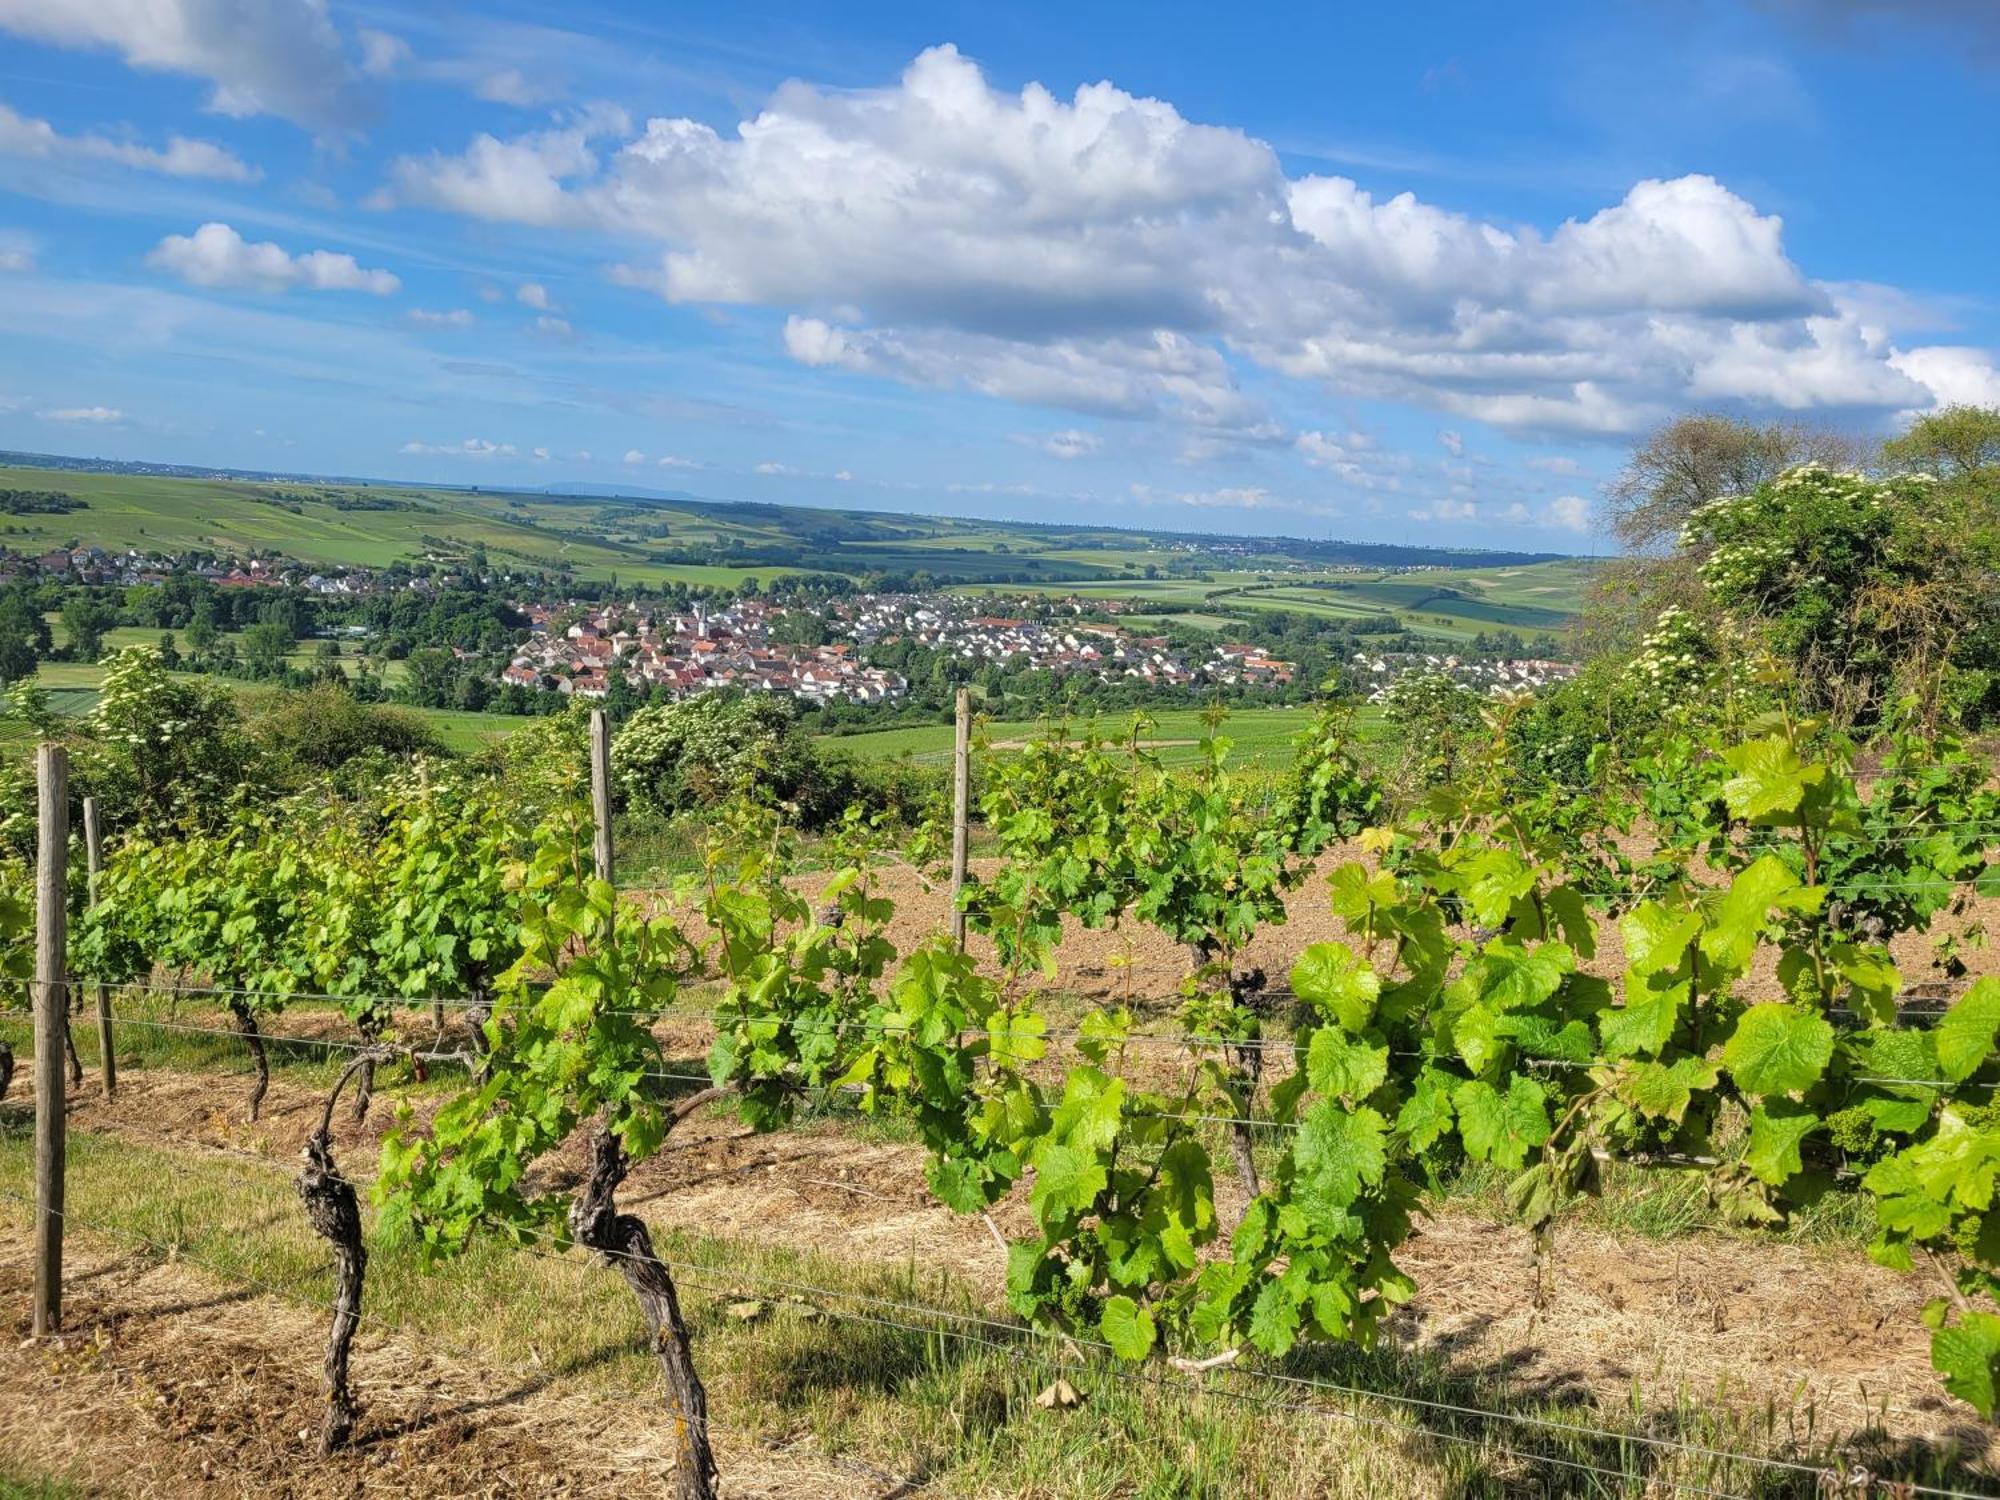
[(1459, 1020)]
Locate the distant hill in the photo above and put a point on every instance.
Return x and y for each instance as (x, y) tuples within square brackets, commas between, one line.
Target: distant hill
[(645, 536)]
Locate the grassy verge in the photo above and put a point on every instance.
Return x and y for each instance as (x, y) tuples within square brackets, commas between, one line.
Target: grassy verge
[(17, 1483), (882, 1363)]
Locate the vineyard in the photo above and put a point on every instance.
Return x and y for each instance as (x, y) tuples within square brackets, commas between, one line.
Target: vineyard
[(1186, 1171)]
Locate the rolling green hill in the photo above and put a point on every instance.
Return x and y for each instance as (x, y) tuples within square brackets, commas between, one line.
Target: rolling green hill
[(656, 539)]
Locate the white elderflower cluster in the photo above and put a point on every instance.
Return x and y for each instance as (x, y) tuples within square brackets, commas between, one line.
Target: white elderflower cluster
[(1676, 656)]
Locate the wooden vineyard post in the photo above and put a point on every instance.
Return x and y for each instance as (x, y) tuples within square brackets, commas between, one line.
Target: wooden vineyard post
[(51, 1025), (600, 789), (961, 796), (622, 1239), (93, 848)]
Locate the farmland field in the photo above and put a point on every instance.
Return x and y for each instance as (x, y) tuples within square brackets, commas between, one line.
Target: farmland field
[(1259, 736), (344, 523)]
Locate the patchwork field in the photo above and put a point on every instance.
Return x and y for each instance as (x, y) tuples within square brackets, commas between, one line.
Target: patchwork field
[(647, 540)]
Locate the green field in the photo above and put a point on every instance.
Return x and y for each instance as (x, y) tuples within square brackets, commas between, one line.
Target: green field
[(337, 523), (1259, 736), (1454, 604), (72, 689)]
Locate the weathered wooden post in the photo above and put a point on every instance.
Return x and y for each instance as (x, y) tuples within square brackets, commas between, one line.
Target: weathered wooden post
[(93, 848), (51, 1027), (961, 797), (622, 1239), (600, 790)]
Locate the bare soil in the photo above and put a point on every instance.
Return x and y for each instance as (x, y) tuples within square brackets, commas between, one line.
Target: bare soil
[(1819, 1333), (170, 1382), (1138, 963)]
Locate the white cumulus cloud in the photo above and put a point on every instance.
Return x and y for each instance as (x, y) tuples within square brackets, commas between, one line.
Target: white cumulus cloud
[(23, 135), (1102, 253), (1071, 442), (1569, 512), (455, 317), (280, 57), (215, 255)]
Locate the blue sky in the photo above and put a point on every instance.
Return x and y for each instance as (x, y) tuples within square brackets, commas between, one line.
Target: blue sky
[(1411, 272)]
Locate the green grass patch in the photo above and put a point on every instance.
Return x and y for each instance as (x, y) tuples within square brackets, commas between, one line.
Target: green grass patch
[(881, 1362)]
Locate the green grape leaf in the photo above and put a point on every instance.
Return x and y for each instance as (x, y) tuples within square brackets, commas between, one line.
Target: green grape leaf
[(1965, 1033), (1968, 1354), (1343, 1067), (1664, 1090), (1737, 921), (1274, 1317), (1508, 976), (1770, 778), (1354, 891), (1427, 1113), (1501, 1128), (1342, 987), (1337, 1152), (1646, 1021), (1778, 1049), (1777, 1129), (1066, 1181), (1572, 917), (1657, 937), (1492, 880), (1127, 1328), (1092, 1106)]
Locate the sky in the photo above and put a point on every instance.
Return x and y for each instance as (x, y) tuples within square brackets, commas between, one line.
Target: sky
[(1412, 273)]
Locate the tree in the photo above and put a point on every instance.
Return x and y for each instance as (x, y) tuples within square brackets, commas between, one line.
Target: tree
[(1868, 589), (24, 635), (163, 748), (201, 631), (84, 622), (1950, 443), (1699, 458), (265, 647)]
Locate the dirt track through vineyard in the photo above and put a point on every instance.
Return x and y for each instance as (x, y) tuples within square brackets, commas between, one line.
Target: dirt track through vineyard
[(173, 1382), (1137, 960), (1821, 1332)]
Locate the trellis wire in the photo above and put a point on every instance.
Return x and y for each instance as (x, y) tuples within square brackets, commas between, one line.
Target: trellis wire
[(390, 1326), (1022, 1336)]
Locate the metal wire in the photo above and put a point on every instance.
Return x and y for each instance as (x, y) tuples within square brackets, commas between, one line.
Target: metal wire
[(1022, 1336), (385, 1325)]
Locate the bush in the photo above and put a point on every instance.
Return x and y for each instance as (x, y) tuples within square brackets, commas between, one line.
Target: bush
[(305, 735)]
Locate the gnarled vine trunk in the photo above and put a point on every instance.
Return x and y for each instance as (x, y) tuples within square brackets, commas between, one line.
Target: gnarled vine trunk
[(69, 1050), (370, 1026), (335, 1214), (622, 1239), (246, 1022), (6, 1068), (1246, 990)]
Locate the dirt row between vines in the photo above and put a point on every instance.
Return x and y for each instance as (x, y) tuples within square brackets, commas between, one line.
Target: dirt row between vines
[(170, 1382), (1817, 1332), (1137, 962)]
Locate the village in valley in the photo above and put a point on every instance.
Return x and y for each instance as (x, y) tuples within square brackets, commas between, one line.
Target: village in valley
[(754, 645)]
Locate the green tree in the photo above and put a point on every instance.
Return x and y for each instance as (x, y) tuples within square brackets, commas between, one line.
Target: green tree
[(1869, 589), (1950, 443), (202, 633), (84, 622), (1704, 456), (266, 645), (162, 748)]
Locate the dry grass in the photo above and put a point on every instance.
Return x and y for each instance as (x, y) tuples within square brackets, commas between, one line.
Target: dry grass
[(516, 1372)]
